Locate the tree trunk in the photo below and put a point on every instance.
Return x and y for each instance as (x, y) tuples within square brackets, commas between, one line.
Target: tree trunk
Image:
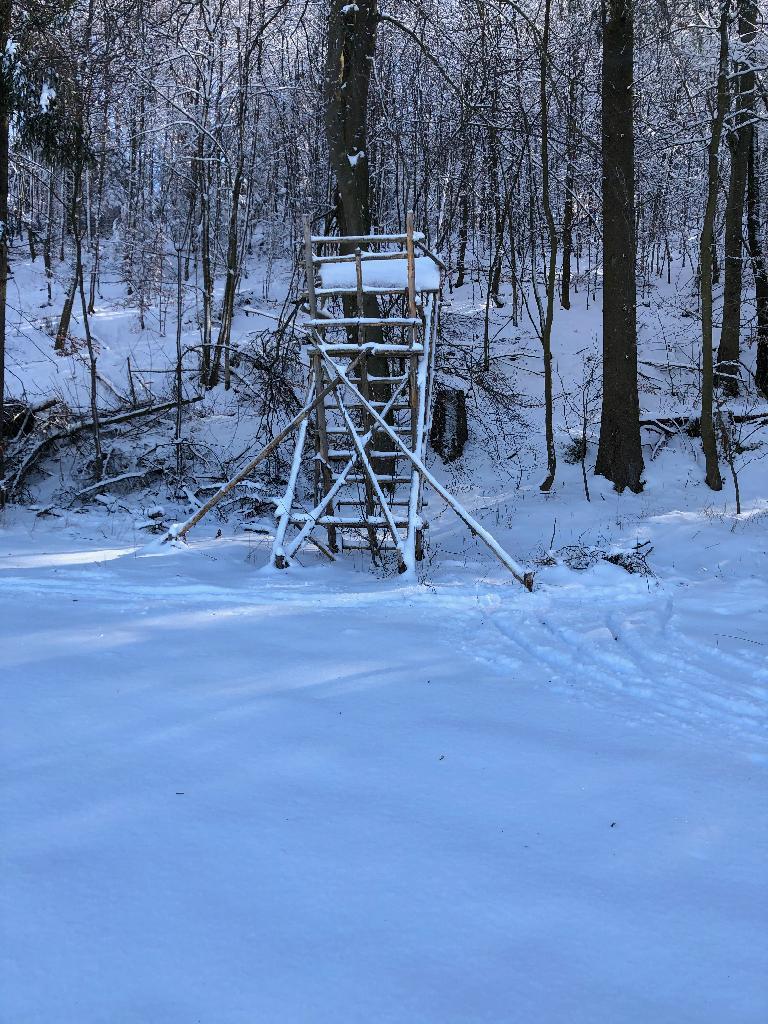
[(728, 351), (565, 280), (708, 440), (461, 260), (619, 456), (48, 240), (5, 117), (546, 328), (759, 267), (351, 49)]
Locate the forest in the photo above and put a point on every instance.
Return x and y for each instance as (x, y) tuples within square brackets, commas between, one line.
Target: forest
[(384, 510)]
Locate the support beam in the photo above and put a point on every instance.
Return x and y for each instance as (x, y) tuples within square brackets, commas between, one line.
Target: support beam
[(518, 572)]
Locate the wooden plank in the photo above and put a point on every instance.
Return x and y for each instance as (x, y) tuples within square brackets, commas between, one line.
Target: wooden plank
[(367, 289), (365, 321), (360, 304), (322, 443), (299, 518), (411, 265), (393, 503), (359, 239), (371, 347), (386, 478), (350, 257), (278, 555), (372, 538), (309, 268), (376, 430), (346, 453), (428, 252)]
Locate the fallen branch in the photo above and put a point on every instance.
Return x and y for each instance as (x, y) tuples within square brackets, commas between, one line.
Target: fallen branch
[(102, 484), (691, 424), (77, 428)]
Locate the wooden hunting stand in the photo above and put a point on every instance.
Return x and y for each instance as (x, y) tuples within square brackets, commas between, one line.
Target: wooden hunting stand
[(373, 304)]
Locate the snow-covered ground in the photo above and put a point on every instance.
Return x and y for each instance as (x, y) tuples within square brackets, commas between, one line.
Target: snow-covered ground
[(232, 795)]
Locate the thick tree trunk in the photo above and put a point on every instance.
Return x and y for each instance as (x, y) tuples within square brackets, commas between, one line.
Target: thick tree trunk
[(619, 456), (5, 117), (759, 268), (351, 49), (708, 440), (728, 350)]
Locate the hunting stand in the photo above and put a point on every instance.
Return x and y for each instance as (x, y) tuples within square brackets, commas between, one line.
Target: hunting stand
[(373, 303)]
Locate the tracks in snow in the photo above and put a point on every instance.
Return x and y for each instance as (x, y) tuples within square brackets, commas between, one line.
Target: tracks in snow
[(654, 654)]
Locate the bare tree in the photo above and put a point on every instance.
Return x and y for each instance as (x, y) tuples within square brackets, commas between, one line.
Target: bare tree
[(708, 437), (619, 456)]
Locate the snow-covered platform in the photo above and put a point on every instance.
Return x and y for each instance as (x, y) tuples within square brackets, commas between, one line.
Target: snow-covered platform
[(379, 276)]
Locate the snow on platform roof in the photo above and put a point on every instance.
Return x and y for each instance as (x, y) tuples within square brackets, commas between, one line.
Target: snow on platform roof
[(381, 275)]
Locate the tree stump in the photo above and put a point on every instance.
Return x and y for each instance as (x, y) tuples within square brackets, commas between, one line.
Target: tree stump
[(449, 431)]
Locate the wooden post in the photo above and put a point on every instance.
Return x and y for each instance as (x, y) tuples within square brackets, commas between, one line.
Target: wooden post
[(360, 299), (369, 503), (322, 444), (411, 264), (310, 269)]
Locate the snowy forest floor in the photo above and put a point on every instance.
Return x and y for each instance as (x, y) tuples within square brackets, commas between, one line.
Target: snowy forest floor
[(234, 795)]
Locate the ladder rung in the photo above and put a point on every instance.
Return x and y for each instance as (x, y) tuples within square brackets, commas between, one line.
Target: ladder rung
[(370, 348), (383, 478), (397, 407), (362, 546), (405, 431), (386, 380), (367, 321), (417, 236), (396, 503), (345, 453), (368, 289), (365, 255), (356, 522)]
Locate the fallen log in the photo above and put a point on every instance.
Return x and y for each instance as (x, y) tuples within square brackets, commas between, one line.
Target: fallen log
[(692, 424)]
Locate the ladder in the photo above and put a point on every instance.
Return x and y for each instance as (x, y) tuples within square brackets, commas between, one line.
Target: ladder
[(373, 306)]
